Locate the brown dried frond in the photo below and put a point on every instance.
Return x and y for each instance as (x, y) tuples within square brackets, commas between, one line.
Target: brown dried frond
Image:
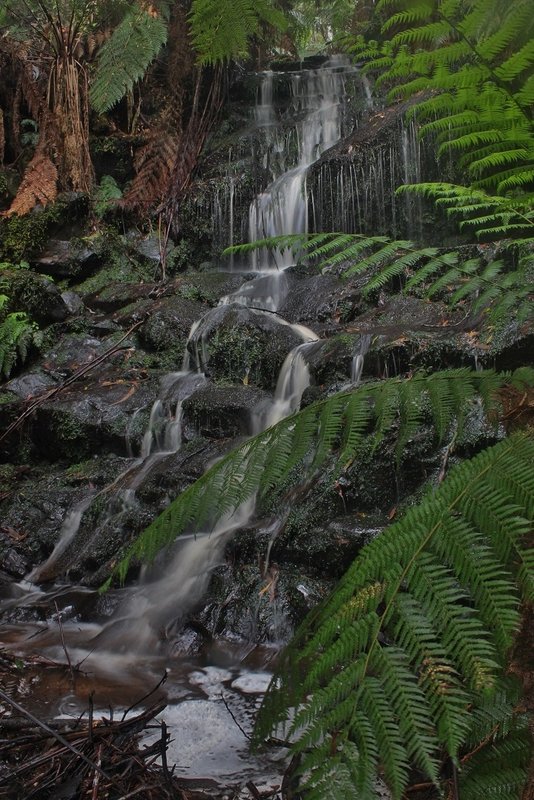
[(153, 163), (517, 407), (38, 187)]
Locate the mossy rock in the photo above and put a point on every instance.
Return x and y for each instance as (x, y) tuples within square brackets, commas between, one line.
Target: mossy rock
[(237, 345)]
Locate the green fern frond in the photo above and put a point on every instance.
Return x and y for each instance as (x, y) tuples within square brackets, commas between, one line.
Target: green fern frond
[(421, 644), (425, 269), (221, 30), (17, 335), (331, 429), (125, 57)]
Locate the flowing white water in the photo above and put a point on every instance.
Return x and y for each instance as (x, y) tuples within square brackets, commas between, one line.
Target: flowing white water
[(146, 621), (358, 359), (283, 207), (68, 531)]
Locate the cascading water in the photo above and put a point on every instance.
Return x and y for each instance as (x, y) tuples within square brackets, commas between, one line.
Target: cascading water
[(283, 207), (144, 622)]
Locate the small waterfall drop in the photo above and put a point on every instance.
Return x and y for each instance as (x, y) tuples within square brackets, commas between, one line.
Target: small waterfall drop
[(69, 529), (283, 207), (358, 359)]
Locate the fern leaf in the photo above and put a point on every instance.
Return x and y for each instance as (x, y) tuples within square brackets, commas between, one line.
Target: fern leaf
[(432, 651), (125, 57), (221, 30)]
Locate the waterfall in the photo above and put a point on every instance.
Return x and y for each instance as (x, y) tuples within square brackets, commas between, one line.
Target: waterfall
[(283, 207), (179, 579)]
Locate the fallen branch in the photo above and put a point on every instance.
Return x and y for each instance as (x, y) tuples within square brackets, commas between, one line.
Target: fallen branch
[(83, 370)]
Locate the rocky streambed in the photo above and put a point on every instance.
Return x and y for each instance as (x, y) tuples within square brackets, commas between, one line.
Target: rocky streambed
[(140, 384)]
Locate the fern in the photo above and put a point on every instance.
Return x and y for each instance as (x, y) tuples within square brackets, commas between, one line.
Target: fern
[(17, 334), (126, 55), (488, 287), (490, 216), (418, 630), (106, 193), (334, 427), (221, 30)]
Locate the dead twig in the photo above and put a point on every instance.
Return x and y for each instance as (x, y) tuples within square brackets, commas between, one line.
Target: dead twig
[(145, 696), (63, 643), (245, 734), (83, 370), (53, 733)]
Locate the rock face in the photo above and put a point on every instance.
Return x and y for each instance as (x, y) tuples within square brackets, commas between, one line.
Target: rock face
[(120, 441)]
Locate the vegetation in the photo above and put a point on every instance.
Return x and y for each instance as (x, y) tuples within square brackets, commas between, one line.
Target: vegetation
[(17, 335), (403, 666), (402, 670), (395, 668)]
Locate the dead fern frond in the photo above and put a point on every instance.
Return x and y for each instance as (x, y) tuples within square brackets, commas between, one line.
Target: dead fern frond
[(39, 184), (155, 160), (153, 163)]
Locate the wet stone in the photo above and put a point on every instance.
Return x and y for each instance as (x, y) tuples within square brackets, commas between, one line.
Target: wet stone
[(223, 411), (236, 344)]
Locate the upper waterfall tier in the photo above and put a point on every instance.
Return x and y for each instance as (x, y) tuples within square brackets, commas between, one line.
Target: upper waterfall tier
[(315, 112)]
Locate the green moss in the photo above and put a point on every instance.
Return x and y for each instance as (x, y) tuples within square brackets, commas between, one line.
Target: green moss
[(122, 263), (24, 236)]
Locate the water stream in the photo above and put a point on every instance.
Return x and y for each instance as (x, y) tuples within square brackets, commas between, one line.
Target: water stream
[(136, 642)]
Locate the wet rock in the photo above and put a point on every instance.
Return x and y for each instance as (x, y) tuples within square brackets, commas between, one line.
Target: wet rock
[(342, 359), (169, 323), (118, 295), (324, 299), (31, 385), (103, 327), (14, 563), (96, 417), (207, 287), (34, 515), (36, 295), (176, 471), (73, 302), (67, 259), (234, 343), (223, 411)]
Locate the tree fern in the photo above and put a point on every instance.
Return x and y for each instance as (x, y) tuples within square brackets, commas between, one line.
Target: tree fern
[(332, 428), (387, 672), (124, 58), (221, 30)]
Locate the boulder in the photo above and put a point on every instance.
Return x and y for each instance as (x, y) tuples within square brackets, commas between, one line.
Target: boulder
[(224, 411), (238, 345), (67, 259)]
